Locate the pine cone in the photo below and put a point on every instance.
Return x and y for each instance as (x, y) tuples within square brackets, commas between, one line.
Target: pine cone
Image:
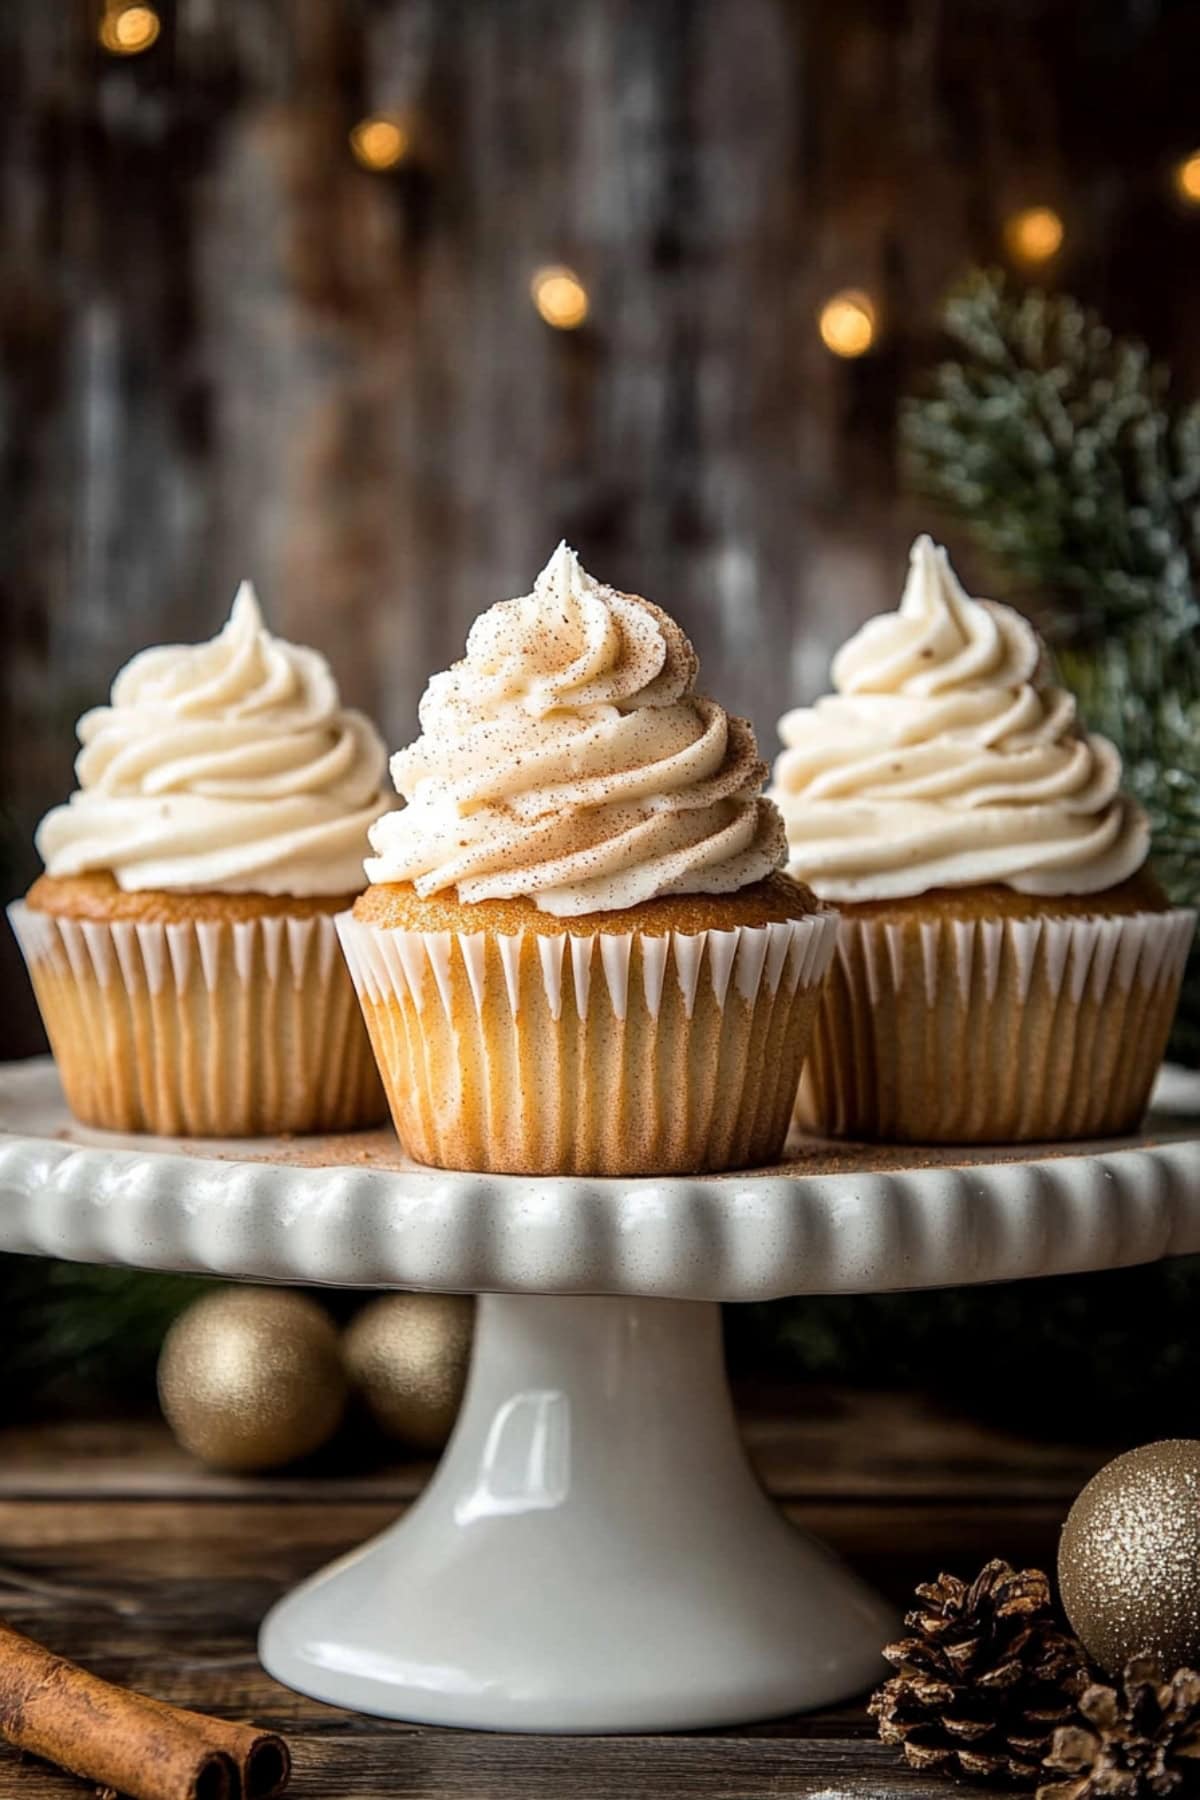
[(985, 1678), (1140, 1742)]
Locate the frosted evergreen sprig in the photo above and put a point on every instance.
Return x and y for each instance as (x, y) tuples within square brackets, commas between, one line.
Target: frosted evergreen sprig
[(1056, 444)]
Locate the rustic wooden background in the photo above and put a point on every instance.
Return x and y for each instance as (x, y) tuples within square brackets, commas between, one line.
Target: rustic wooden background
[(229, 350)]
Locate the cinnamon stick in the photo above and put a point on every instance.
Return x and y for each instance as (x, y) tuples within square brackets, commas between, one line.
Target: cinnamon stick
[(126, 1741), (261, 1758)]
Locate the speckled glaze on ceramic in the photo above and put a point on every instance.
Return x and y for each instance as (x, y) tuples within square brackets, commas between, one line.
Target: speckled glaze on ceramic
[(353, 1211)]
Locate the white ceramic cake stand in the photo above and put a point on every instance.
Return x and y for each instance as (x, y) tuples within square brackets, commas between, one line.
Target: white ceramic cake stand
[(593, 1553)]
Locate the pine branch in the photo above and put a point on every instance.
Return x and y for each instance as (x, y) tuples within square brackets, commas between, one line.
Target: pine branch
[(1152, 712), (1057, 446), (1055, 443), (77, 1335)]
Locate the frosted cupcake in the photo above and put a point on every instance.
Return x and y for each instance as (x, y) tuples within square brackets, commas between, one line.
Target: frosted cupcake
[(1007, 966), (181, 942), (577, 953)]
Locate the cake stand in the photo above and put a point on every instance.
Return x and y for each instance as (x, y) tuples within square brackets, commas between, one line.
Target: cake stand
[(593, 1552)]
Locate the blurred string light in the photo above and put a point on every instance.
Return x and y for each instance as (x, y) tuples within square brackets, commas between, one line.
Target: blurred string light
[(848, 323), (560, 297), (1187, 179), (1034, 234), (128, 30), (379, 142)]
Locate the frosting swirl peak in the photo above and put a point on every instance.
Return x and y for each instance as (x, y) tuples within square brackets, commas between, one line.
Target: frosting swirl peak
[(229, 766), (948, 757), (568, 759)]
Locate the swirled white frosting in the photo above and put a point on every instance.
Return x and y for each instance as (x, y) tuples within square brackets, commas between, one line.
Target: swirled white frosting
[(948, 757), (568, 759), (229, 766)]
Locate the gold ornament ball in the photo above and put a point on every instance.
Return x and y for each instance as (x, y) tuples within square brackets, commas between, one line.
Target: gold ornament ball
[(407, 1355), (1129, 1560), (252, 1378)]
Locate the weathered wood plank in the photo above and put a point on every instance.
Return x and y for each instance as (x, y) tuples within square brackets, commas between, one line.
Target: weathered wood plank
[(804, 1442), (465, 1766)]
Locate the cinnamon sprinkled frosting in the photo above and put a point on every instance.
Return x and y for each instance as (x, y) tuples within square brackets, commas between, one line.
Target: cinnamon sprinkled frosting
[(227, 767), (569, 760), (947, 757)]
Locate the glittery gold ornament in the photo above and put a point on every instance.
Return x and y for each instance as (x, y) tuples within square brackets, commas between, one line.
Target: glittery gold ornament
[(252, 1378), (407, 1355), (1129, 1560)]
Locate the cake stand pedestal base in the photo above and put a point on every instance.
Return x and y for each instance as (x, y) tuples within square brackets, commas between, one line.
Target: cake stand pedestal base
[(593, 1553)]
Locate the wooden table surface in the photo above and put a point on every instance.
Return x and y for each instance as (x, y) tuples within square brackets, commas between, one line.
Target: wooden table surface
[(117, 1550)]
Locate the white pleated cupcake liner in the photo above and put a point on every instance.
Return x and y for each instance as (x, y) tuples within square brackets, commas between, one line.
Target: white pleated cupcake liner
[(791, 953), (606, 1053), (993, 1030), (203, 1028)]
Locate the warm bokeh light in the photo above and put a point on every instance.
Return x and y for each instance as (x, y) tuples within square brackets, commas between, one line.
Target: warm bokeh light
[(379, 143), (128, 30), (848, 323), (1035, 234), (560, 297), (1187, 179)]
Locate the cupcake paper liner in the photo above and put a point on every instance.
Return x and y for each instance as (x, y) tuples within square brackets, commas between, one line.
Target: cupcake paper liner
[(218, 1028), (993, 1030), (610, 1054)]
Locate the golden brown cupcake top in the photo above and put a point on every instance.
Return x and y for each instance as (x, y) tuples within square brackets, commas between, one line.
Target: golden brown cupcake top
[(1140, 894), (100, 898), (398, 906)]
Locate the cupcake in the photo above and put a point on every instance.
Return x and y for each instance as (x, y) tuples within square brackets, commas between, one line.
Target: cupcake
[(577, 953), (181, 942), (1007, 966)]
